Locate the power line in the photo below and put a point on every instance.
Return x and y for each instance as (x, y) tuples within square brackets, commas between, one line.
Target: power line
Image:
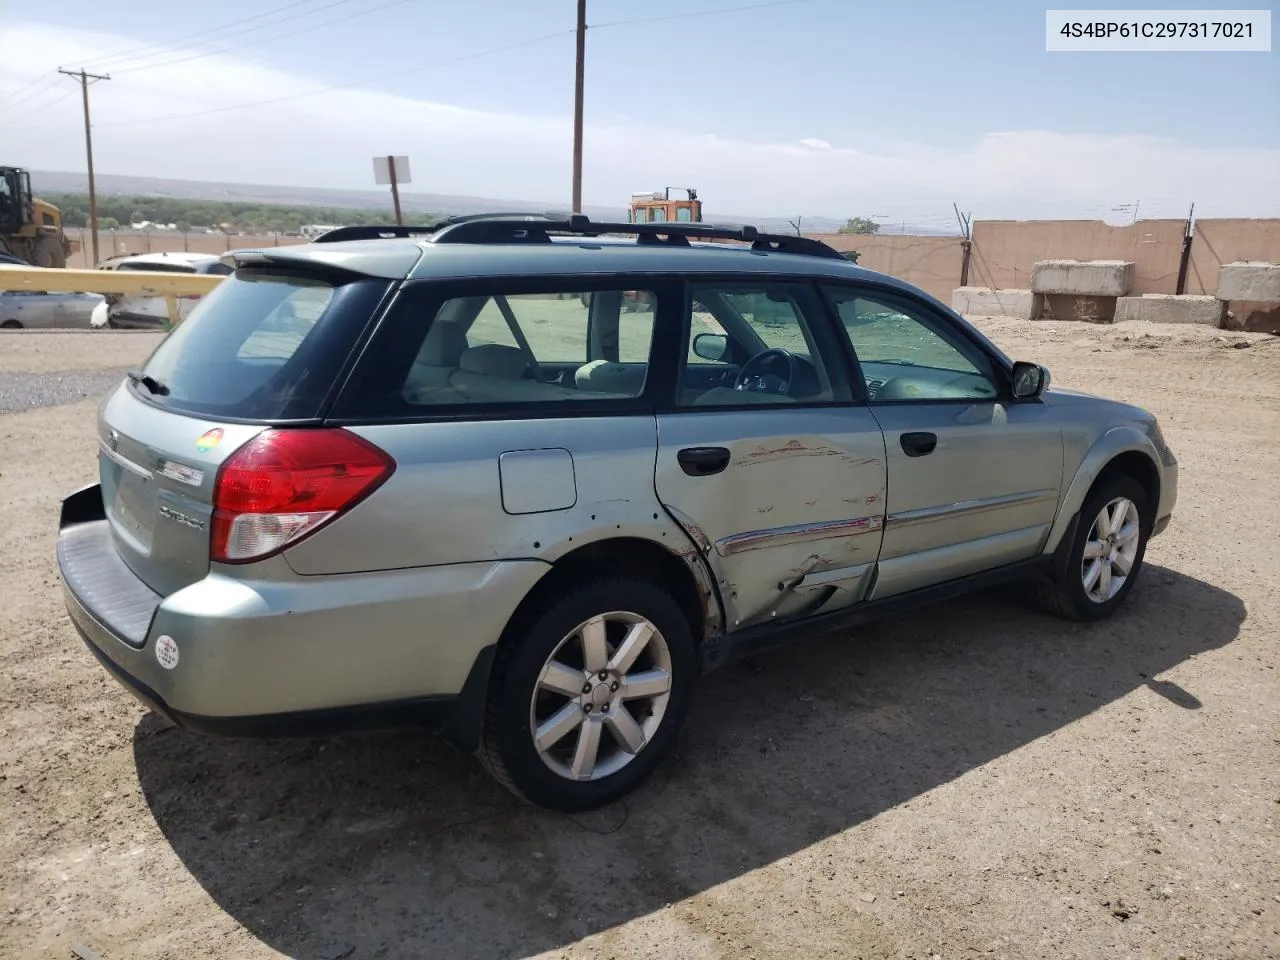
[(42, 106), (343, 86), (52, 81), (127, 55), (412, 70), (254, 43), (49, 80), (700, 13)]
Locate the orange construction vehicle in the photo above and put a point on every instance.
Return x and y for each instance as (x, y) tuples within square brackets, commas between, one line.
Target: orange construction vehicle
[(658, 207)]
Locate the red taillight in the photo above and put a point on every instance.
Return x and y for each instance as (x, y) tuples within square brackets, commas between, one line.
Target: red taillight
[(284, 485)]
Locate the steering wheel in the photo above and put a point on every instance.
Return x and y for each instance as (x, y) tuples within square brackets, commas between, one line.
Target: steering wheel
[(767, 380)]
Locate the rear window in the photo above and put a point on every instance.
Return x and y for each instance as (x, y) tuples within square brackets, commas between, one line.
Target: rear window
[(263, 346)]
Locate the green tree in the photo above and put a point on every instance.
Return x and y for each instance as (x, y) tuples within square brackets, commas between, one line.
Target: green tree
[(249, 217), (860, 225)]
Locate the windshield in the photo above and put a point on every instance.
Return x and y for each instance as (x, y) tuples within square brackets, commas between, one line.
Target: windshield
[(262, 346)]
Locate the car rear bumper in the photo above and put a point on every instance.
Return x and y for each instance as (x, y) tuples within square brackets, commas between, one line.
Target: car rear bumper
[(300, 655)]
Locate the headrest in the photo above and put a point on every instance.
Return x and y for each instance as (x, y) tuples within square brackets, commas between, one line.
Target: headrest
[(494, 360), (606, 377), (443, 345)]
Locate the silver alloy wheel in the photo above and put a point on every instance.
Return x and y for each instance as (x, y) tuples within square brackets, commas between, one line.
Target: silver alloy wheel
[(1110, 550), (601, 696)]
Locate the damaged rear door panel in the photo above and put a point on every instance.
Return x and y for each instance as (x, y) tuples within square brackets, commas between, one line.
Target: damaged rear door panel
[(794, 520)]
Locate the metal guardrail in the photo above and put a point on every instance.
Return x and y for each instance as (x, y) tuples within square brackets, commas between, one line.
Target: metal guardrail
[(134, 283), (137, 283)]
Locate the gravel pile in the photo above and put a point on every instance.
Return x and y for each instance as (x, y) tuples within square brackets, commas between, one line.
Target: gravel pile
[(23, 391)]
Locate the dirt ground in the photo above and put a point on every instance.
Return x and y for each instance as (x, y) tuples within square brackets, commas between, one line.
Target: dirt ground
[(973, 780)]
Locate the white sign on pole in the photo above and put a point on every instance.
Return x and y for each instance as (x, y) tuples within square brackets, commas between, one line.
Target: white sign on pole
[(382, 170)]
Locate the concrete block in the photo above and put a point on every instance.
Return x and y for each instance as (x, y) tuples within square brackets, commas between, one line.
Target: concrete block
[(1084, 278), (1167, 308), (1061, 306), (1254, 316), (1254, 281), (985, 302)]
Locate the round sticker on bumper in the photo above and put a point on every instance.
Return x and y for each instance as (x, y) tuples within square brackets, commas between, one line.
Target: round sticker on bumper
[(167, 652)]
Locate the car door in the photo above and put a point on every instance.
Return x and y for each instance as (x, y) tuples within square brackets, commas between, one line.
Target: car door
[(973, 477), (764, 456), (43, 310), (72, 310)]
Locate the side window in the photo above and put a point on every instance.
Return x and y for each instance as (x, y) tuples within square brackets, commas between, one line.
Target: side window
[(704, 350), (907, 354), (508, 349), (489, 325), (759, 343), (635, 326)]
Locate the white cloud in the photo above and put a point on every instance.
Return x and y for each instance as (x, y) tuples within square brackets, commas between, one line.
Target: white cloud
[(327, 141)]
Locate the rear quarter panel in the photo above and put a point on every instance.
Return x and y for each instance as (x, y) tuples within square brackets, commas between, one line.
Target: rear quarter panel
[(446, 501)]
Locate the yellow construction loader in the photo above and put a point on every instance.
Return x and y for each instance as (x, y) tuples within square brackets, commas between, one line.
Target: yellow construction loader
[(30, 228)]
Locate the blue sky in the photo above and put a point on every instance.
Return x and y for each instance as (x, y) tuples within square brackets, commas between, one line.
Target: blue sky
[(894, 89)]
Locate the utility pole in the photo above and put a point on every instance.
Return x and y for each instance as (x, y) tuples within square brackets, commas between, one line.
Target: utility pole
[(395, 190), (83, 79), (966, 244), (1184, 261), (577, 106)]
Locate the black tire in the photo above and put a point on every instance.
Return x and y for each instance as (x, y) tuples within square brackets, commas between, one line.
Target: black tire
[(48, 252), (1063, 591), (11, 325), (507, 749)]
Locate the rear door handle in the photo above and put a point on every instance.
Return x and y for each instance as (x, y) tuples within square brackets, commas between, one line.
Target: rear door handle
[(918, 444), (703, 461)]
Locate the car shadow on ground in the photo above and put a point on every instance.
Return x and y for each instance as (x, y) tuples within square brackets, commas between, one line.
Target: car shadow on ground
[(395, 844)]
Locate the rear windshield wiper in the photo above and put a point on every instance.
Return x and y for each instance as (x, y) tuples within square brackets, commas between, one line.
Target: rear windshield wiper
[(151, 383)]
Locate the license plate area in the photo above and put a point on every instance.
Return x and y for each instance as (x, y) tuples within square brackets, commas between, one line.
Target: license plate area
[(129, 493)]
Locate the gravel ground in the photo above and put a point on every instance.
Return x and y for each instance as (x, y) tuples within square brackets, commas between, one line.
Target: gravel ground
[(44, 368), (22, 391), (972, 780), (49, 351)]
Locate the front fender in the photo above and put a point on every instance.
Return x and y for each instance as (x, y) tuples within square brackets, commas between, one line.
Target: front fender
[(1113, 443)]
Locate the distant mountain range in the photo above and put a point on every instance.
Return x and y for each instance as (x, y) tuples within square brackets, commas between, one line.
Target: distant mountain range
[(449, 205)]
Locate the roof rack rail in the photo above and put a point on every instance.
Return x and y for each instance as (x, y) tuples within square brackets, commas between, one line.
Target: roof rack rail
[(387, 231), (372, 232), (498, 228)]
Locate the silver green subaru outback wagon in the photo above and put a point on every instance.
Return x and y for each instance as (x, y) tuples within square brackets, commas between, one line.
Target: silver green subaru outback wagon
[(522, 479)]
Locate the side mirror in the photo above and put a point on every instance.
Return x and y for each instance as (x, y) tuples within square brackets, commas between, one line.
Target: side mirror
[(711, 346), (1030, 380)]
